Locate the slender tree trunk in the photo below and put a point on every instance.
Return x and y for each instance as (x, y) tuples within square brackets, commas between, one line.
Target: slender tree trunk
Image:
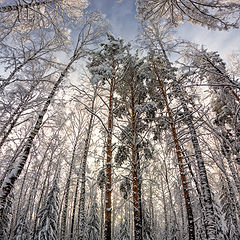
[(135, 169), (40, 199), (11, 162), (197, 189), (108, 181), (33, 194), (165, 211), (102, 194), (67, 190), (151, 211), (21, 195), (233, 174), (102, 215), (191, 230), (74, 208), (83, 176), (170, 197), (113, 217), (233, 203)]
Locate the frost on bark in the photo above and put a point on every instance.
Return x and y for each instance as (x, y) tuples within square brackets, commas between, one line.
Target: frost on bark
[(230, 221), (210, 222), (206, 191), (132, 105), (224, 103), (74, 208), (21, 229), (42, 195), (93, 223)]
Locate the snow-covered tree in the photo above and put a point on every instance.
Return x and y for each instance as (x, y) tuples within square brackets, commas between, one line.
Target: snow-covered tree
[(93, 223), (123, 231), (22, 229), (213, 14), (147, 229), (5, 220), (105, 69), (48, 215), (91, 31)]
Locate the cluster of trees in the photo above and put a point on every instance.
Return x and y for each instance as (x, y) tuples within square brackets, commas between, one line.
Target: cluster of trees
[(99, 141)]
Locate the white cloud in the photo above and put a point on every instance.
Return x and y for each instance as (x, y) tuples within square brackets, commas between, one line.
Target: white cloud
[(225, 42)]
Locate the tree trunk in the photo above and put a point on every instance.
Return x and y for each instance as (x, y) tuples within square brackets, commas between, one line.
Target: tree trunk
[(164, 211), (41, 198), (11, 162), (67, 189), (135, 169), (170, 197), (108, 181), (83, 177), (21, 198), (74, 208)]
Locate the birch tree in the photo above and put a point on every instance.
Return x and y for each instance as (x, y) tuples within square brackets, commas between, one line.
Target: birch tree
[(90, 32)]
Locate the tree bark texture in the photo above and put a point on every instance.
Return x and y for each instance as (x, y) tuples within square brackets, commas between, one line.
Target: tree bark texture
[(108, 180), (135, 169)]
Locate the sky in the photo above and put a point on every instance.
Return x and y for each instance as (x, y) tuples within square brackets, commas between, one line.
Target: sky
[(121, 15)]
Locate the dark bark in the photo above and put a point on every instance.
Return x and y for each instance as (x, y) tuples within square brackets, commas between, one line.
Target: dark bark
[(108, 181), (74, 208), (135, 169)]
